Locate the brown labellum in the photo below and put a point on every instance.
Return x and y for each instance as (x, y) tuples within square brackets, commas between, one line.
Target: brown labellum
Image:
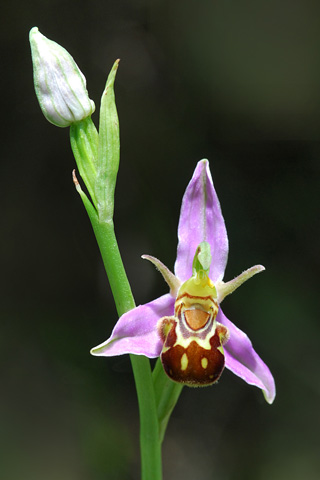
[(194, 365)]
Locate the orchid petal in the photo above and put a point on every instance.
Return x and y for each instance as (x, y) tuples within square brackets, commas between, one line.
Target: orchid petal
[(243, 361), (136, 331), (201, 220), (172, 281), (225, 289)]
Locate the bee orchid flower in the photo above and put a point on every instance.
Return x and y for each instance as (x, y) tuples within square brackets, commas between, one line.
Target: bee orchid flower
[(187, 327)]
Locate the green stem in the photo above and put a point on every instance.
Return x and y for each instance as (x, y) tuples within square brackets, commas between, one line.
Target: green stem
[(150, 443), (97, 157)]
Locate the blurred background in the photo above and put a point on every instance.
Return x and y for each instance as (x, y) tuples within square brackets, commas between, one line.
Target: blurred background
[(237, 82)]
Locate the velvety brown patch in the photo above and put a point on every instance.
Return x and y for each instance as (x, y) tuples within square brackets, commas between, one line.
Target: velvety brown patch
[(196, 318), (172, 336), (198, 372)]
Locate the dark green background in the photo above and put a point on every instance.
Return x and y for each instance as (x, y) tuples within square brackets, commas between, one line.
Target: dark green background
[(237, 82)]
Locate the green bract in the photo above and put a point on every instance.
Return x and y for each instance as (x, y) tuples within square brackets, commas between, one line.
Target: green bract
[(97, 154)]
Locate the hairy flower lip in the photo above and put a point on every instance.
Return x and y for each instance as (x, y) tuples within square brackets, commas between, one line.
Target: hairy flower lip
[(200, 220), (59, 84)]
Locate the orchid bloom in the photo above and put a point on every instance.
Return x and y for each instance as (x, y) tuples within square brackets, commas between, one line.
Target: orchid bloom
[(186, 327)]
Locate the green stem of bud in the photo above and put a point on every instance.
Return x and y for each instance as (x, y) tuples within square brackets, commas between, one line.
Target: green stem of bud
[(84, 140)]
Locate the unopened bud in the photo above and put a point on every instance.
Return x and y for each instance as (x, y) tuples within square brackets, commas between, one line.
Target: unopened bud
[(59, 84)]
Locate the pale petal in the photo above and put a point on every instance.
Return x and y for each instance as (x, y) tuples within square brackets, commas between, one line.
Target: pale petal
[(136, 331), (225, 289), (172, 281), (201, 220), (243, 361)]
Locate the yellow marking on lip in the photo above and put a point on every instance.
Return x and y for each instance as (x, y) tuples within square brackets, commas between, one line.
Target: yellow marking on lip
[(185, 342), (204, 362), (184, 362), (197, 297), (186, 302)]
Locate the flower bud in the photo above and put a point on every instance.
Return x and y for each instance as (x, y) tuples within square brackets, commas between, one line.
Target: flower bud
[(59, 84)]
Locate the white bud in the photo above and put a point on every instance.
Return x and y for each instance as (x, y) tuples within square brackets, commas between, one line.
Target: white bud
[(59, 84)]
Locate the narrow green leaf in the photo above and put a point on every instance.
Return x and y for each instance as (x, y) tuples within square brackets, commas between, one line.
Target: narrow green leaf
[(109, 149), (91, 211)]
